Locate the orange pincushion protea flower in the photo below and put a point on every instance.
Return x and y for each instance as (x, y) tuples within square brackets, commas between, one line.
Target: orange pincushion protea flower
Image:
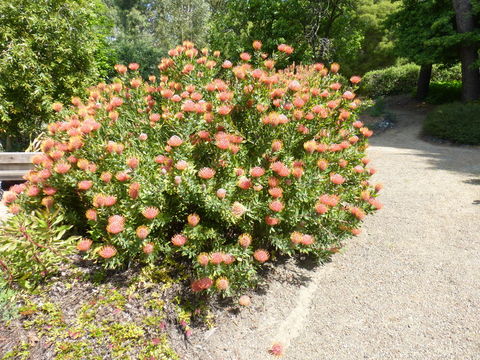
[(150, 212), (84, 244), (245, 240), (179, 240), (222, 283), (193, 220), (206, 173), (148, 248), (142, 231), (261, 255), (107, 251), (202, 284)]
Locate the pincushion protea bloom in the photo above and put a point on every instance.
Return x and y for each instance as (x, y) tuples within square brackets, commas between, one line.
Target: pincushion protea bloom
[(222, 283), (337, 179), (321, 208), (276, 206), (238, 209), (261, 255), (193, 219), (62, 167), (148, 248), (175, 141), (142, 231), (179, 240), (203, 259), (244, 300), (85, 184), (296, 237), (107, 251), (206, 173), (84, 244), (221, 193), (271, 221), (133, 162), (14, 209), (115, 228), (91, 214), (257, 171), (307, 239), (134, 190), (106, 177), (202, 284), (276, 349), (216, 258), (150, 212), (245, 240)]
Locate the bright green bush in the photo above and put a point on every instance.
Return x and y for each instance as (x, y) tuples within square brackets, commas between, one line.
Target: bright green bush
[(442, 73), (441, 92), (456, 122), (33, 244), (218, 164), (391, 81)]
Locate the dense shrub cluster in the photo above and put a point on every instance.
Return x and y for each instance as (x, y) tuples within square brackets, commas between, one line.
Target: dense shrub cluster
[(402, 79), (216, 163), (391, 81), (441, 92), (456, 122)]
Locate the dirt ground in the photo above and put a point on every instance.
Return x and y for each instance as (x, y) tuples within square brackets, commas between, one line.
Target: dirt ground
[(407, 288)]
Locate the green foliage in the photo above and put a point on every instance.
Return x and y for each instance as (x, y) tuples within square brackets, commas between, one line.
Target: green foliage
[(377, 108), (33, 246), (424, 31), (442, 92), (445, 73), (455, 122), (238, 23), (49, 51), (375, 47), (8, 307), (390, 81), (210, 163), (145, 29)]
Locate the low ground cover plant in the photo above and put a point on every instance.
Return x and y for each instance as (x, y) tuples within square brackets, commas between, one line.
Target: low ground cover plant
[(216, 164), (456, 122)]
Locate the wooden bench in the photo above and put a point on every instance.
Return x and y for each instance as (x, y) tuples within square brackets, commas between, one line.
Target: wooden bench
[(13, 165)]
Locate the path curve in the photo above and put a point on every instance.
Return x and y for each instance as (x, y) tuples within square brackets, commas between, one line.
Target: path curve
[(407, 288)]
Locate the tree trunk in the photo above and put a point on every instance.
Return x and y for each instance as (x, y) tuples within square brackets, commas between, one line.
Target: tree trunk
[(468, 51), (423, 83)]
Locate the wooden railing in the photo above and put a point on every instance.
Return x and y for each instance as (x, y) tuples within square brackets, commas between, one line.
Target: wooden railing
[(13, 165)]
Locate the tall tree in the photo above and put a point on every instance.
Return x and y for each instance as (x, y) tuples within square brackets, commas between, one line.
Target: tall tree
[(146, 29), (468, 49), (49, 51), (271, 21), (424, 33)]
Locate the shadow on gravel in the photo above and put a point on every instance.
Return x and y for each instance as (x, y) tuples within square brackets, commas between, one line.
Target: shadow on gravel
[(406, 134), (472, 181)]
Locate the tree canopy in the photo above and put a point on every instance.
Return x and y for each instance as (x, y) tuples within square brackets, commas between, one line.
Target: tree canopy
[(50, 50)]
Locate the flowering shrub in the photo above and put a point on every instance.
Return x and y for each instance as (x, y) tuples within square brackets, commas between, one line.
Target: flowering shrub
[(34, 246), (222, 164)]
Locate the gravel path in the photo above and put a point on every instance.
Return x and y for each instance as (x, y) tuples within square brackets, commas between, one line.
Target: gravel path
[(407, 288)]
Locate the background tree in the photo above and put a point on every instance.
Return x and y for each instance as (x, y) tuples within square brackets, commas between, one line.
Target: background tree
[(467, 28), (271, 21), (424, 33), (146, 30), (49, 51)]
